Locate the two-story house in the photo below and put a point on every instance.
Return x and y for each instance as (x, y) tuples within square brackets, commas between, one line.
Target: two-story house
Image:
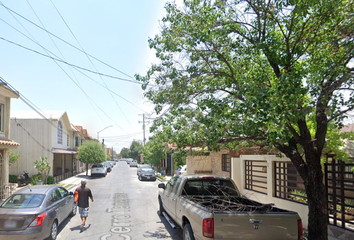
[(44, 134), (6, 93), (80, 136)]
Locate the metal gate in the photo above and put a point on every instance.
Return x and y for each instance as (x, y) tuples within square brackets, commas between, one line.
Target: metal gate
[(339, 180)]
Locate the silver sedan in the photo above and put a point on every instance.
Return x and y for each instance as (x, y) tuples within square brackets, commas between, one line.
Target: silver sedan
[(35, 212)]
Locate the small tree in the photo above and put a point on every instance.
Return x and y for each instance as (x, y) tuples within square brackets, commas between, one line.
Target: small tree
[(13, 157), (135, 149), (43, 167), (91, 152), (125, 153)]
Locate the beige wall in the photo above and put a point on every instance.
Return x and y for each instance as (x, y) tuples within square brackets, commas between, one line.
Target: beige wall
[(207, 164), (238, 175), (35, 138)]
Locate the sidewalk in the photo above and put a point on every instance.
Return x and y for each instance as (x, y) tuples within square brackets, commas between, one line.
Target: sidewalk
[(73, 182)]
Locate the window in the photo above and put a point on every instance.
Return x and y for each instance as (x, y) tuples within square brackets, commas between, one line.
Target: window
[(60, 133), (55, 196), (2, 118), (77, 140), (288, 183), (256, 176), (226, 163), (63, 192)]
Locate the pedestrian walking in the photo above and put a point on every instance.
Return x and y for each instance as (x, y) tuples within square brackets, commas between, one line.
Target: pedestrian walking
[(82, 195)]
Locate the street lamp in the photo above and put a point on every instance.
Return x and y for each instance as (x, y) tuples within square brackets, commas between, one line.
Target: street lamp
[(101, 131)]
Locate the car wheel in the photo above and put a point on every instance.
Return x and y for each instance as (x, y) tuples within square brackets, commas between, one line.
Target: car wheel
[(161, 210), (188, 232), (53, 231), (139, 178), (73, 210)]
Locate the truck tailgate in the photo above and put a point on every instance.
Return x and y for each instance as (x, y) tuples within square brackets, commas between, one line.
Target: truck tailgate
[(274, 226)]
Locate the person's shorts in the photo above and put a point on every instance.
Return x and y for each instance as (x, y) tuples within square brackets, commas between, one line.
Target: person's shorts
[(83, 212)]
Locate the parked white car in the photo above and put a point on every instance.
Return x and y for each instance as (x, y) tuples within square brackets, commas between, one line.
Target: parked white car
[(98, 170), (133, 163), (181, 171)]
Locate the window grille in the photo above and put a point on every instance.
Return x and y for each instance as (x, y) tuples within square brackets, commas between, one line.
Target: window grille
[(1, 117), (288, 183), (60, 133), (256, 176), (226, 163)]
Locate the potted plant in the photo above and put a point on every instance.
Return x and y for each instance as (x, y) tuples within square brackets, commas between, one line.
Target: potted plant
[(43, 167)]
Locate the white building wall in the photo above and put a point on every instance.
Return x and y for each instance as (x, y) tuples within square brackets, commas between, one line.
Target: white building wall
[(238, 175), (35, 137)]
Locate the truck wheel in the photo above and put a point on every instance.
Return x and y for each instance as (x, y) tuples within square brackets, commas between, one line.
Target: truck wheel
[(188, 232), (161, 210)]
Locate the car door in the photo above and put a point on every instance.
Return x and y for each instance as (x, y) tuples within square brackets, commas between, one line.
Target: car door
[(57, 204), (173, 198), (67, 199), (166, 195)]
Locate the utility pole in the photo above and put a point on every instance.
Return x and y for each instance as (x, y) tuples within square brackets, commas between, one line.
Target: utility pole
[(143, 126)]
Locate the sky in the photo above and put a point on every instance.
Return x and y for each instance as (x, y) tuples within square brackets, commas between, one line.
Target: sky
[(80, 56)]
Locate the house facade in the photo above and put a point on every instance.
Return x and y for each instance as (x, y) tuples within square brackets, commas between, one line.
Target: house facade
[(80, 135), (45, 134), (6, 144)]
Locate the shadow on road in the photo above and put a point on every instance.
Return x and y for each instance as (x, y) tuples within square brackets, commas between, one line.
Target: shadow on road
[(160, 233)]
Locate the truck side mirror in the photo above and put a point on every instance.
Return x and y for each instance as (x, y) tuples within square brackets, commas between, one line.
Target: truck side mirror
[(161, 185)]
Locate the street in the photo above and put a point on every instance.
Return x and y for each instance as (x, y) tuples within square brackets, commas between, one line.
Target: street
[(123, 208)]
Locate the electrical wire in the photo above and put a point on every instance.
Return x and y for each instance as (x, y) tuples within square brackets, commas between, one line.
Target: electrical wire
[(62, 61), (66, 42), (83, 50)]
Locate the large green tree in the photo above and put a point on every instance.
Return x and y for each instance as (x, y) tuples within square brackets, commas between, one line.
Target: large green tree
[(136, 148), (91, 152), (125, 153), (271, 72), (153, 151)]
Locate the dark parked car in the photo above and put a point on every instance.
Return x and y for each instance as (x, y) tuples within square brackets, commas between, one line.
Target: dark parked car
[(35, 212), (140, 166), (147, 174)]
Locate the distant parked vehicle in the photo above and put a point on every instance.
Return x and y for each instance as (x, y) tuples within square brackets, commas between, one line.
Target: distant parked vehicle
[(182, 170), (23, 179), (133, 163), (98, 170), (141, 166), (108, 165), (35, 212), (147, 174)]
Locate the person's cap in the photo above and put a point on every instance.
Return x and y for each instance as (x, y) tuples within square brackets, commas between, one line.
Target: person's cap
[(83, 182)]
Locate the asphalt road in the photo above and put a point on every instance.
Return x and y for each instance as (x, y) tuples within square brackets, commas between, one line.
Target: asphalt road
[(123, 208)]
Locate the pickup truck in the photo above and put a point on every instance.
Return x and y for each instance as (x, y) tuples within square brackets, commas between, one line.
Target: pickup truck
[(211, 207)]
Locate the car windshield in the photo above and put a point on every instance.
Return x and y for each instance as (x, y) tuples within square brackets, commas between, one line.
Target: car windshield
[(97, 166), (147, 170), (19, 201), (144, 166)]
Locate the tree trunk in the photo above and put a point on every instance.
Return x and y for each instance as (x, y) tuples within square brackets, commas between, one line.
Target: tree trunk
[(312, 174), (317, 204)]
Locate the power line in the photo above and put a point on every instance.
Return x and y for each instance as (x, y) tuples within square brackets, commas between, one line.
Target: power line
[(72, 33), (65, 41), (74, 68), (62, 61)]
